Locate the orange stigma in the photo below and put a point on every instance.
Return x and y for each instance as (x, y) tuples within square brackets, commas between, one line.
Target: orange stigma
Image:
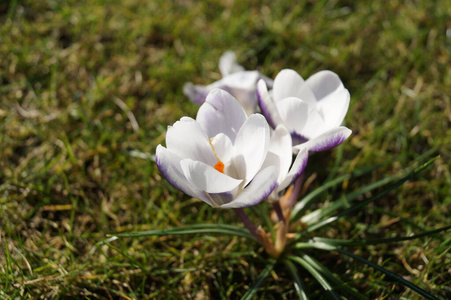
[(219, 166)]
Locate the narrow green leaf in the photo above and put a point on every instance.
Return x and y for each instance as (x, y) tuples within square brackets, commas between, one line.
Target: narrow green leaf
[(392, 275), (345, 201), (322, 281), (337, 282), (316, 245), (296, 278), (261, 278), (336, 242), (192, 229), (363, 203), (305, 202)]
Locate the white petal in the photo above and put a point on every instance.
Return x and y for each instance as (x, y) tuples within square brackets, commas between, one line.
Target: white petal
[(267, 105), (251, 145), (246, 80), (228, 64), (169, 165), (258, 190), (221, 113), (334, 107), (186, 139), (279, 152), (294, 113), (206, 178), (289, 83), (315, 124), (247, 99), (296, 169), (324, 83), (327, 140), (223, 147), (242, 86)]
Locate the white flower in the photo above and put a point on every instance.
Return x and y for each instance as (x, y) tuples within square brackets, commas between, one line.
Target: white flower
[(218, 157), (311, 110), (280, 155), (238, 82)]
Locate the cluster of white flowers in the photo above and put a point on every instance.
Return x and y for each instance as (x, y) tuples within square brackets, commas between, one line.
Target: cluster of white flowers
[(231, 156)]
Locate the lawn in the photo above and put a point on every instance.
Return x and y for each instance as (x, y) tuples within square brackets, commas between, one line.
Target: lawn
[(88, 88)]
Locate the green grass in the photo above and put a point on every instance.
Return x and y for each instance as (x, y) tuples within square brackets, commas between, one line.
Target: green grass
[(74, 75)]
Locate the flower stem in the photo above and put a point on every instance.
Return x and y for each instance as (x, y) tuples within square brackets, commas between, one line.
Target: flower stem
[(295, 193), (247, 222), (278, 209)]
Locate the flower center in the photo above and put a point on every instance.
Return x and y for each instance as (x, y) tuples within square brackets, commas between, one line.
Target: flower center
[(219, 165)]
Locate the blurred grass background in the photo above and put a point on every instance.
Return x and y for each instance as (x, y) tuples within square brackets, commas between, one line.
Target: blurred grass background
[(87, 88)]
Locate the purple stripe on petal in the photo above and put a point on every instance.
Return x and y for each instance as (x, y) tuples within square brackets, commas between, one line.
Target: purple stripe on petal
[(297, 138), (166, 170), (265, 110), (300, 170), (257, 190), (264, 196), (328, 141)]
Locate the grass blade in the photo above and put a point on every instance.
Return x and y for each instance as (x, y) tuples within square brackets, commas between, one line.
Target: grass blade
[(392, 275), (318, 276), (345, 201), (261, 278), (305, 202), (338, 282), (361, 204), (296, 278), (192, 229), (336, 242)]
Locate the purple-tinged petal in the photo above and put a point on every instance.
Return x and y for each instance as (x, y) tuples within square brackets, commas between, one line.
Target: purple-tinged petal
[(327, 140), (296, 170), (258, 190), (297, 138), (169, 165), (221, 113), (206, 178), (196, 93), (267, 105)]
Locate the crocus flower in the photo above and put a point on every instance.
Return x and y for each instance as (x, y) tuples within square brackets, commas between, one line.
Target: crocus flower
[(238, 82), (280, 155), (218, 157), (311, 110)]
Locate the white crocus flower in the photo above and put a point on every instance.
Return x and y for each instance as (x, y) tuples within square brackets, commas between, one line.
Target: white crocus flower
[(218, 157), (236, 80), (280, 155), (311, 110)]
